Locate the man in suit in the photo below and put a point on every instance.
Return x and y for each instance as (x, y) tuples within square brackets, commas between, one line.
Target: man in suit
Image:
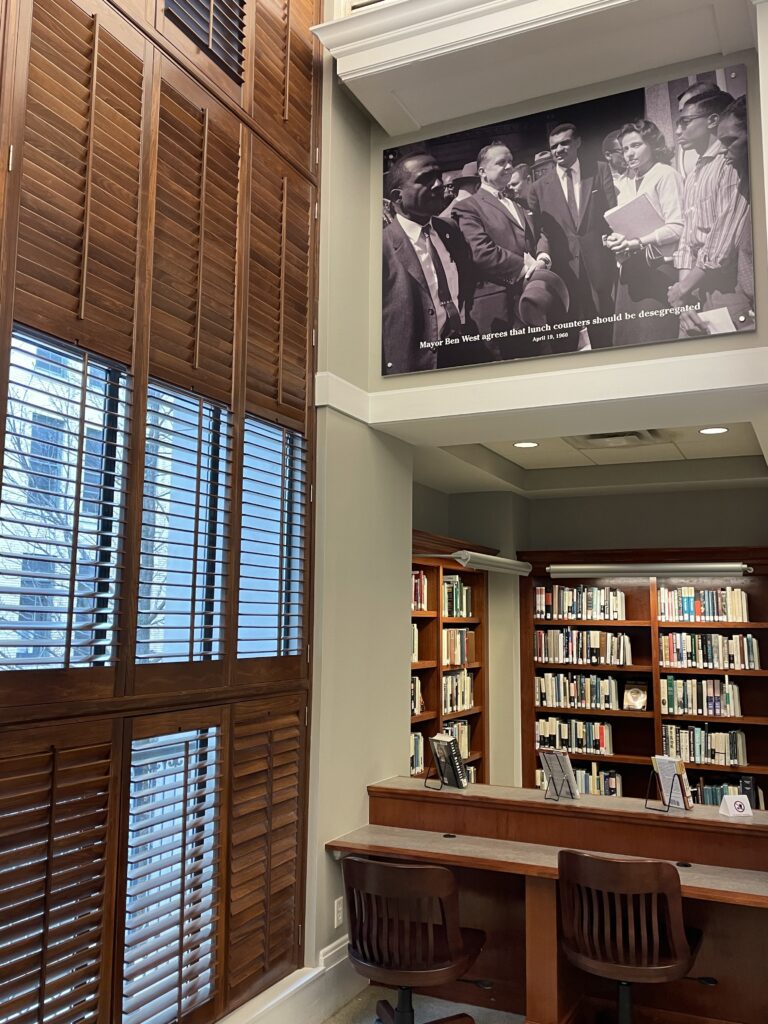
[(569, 202), (503, 239), (427, 274)]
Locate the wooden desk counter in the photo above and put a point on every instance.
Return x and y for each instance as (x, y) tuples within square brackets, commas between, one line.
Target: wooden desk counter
[(602, 824), (699, 881)]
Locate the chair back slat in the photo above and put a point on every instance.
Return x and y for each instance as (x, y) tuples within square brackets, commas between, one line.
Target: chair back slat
[(402, 917), (621, 911)]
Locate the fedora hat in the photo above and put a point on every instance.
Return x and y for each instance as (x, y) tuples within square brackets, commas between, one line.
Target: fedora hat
[(468, 173), (544, 299)]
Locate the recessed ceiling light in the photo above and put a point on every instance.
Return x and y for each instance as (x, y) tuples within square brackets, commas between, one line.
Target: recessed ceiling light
[(526, 444), (713, 430)]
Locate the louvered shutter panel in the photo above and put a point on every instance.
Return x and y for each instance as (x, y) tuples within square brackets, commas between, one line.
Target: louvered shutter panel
[(279, 292), (266, 848), (194, 263), (80, 178), (56, 866), (171, 910), (284, 70), (217, 27)]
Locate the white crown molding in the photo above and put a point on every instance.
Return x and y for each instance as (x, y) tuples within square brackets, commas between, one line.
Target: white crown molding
[(382, 38), (339, 394)]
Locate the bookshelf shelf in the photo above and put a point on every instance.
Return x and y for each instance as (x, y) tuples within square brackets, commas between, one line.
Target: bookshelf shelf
[(595, 623), (556, 709), (448, 715), (636, 735), (587, 667), (446, 586)]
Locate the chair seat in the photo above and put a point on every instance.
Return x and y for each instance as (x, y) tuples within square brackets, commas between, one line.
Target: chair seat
[(664, 971), (443, 970)]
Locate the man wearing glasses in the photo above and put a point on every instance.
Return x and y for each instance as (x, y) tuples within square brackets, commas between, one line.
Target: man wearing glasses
[(713, 207)]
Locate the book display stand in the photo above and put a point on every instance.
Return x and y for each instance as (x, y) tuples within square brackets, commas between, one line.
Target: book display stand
[(559, 774), (665, 805)]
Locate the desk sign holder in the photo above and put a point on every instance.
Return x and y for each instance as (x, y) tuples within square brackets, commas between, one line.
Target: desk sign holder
[(736, 807), (561, 782)]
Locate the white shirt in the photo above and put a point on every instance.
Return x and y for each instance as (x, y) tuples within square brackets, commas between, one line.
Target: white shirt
[(575, 170), (664, 188), (418, 240), (625, 188)]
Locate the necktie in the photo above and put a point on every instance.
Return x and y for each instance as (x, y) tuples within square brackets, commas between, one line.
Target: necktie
[(571, 193), (452, 325)]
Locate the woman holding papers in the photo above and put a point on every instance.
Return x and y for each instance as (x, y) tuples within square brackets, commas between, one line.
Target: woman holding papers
[(645, 232)]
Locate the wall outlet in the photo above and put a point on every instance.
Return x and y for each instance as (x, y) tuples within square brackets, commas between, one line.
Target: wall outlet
[(338, 912)]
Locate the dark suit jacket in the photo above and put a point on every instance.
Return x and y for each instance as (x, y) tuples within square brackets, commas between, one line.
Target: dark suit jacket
[(577, 250), (408, 313), (498, 244)]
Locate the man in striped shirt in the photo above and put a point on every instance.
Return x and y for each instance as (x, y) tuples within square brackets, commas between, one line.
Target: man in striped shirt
[(714, 207)]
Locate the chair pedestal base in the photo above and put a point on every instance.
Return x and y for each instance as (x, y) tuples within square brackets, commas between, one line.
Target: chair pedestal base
[(625, 1003), (403, 1013)]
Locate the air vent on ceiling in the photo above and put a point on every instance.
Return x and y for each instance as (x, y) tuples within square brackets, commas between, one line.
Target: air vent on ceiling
[(623, 439)]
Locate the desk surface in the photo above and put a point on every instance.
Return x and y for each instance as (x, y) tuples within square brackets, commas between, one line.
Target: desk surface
[(699, 816), (699, 881)]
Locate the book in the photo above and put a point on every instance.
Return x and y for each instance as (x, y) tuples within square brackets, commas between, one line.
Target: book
[(448, 761), (673, 782), (635, 219)]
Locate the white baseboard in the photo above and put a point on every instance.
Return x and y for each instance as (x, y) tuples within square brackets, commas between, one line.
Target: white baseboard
[(310, 995)]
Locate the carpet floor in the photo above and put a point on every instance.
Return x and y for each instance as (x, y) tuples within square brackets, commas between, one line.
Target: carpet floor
[(362, 1009)]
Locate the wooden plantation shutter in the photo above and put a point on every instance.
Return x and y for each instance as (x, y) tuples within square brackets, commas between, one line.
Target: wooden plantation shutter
[(284, 70), (279, 292), (174, 838), (266, 870), (216, 26), (195, 248), (80, 178), (57, 863)]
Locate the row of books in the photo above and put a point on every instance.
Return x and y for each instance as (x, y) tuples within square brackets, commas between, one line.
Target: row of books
[(459, 728), (698, 745), (576, 690), (582, 646), (577, 736), (594, 781), (457, 598), (419, 591), (458, 645), (712, 793), (709, 650), (417, 753), (580, 602), (458, 691), (689, 604), (417, 700), (700, 697)]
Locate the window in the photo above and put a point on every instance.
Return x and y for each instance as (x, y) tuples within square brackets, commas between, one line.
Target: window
[(61, 506), (172, 862), (216, 26), (272, 542), (184, 528)]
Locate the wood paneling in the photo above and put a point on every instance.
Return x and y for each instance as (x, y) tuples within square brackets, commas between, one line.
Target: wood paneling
[(266, 869), (76, 261)]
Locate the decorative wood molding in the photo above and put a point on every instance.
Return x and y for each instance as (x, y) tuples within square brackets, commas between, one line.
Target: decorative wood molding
[(336, 393)]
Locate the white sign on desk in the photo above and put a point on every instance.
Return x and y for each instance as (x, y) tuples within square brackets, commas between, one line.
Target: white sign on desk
[(736, 807)]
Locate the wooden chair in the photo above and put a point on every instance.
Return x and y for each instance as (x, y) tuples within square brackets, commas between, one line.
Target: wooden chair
[(404, 931), (623, 919)]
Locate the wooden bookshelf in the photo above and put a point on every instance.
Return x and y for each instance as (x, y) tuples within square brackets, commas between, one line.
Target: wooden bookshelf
[(638, 734), (432, 667)]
